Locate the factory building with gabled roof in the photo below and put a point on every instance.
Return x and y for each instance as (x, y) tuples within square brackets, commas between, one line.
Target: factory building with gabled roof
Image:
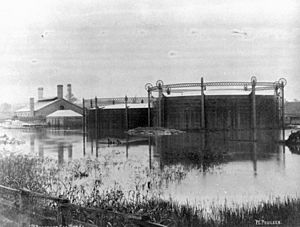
[(45, 106), (65, 119)]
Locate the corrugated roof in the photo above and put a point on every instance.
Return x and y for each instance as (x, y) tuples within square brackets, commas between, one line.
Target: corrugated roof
[(64, 113)]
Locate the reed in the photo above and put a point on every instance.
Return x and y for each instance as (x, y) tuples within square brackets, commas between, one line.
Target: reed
[(44, 176)]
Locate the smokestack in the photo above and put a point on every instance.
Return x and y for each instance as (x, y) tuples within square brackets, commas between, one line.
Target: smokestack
[(31, 106), (69, 90), (59, 91), (40, 93)]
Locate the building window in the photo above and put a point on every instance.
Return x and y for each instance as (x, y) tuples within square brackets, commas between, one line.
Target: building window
[(61, 107)]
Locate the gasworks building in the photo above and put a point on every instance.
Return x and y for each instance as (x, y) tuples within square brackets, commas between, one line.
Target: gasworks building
[(43, 107)]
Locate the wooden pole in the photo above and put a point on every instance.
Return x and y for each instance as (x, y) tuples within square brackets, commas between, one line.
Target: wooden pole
[(96, 125), (96, 116), (126, 112), (83, 117), (63, 212), (254, 126), (149, 110), (89, 115), (202, 105), (25, 206)]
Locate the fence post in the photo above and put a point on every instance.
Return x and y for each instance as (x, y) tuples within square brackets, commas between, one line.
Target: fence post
[(24, 200), (24, 208), (20, 205), (63, 212)]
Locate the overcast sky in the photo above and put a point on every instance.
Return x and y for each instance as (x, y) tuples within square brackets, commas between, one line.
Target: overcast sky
[(110, 48)]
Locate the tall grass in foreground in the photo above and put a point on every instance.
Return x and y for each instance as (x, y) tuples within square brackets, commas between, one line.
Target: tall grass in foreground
[(43, 176)]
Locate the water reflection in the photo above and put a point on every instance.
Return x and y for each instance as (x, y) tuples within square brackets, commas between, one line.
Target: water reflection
[(150, 152), (200, 150), (207, 149), (41, 150), (70, 151), (194, 165), (83, 144), (32, 138), (49, 143), (60, 152)]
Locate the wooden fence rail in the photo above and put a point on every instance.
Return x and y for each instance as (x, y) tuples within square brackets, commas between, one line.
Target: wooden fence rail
[(30, 208)]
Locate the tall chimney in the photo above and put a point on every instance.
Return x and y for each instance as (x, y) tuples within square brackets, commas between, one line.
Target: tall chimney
[(40, 93), (69, 90), (31, 106), (59, 91)]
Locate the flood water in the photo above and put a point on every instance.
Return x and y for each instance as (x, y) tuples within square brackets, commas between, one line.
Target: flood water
[(195, 167)]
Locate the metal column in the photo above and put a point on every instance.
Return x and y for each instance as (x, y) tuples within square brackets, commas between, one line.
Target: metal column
[(159, 105), (83, 117), (282, 83), (126, 113), (96, 117), (253, 98), (202, 105), (149, 110)]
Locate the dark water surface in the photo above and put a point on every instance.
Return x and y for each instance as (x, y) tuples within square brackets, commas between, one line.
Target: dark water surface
[(196, 167)]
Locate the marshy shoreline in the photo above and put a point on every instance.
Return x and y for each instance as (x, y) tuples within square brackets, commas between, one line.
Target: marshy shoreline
[(42, 176)]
